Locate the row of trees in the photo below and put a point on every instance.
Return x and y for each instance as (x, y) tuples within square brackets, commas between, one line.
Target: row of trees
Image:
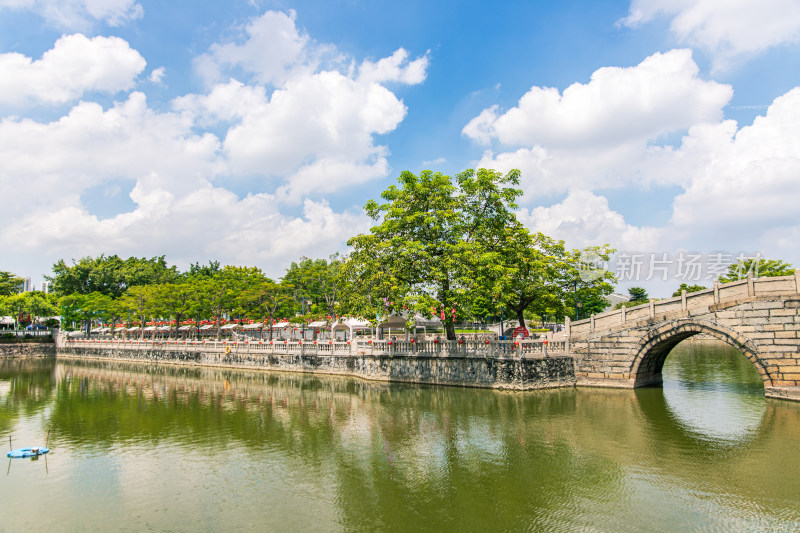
[(445, 246), (450, 247)]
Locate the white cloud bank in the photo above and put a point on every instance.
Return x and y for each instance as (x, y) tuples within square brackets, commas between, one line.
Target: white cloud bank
[(619, 105), (75, 65), (315, 131), (78, 14), (740, 188), (727, 29), (597, 134), (300, 125)]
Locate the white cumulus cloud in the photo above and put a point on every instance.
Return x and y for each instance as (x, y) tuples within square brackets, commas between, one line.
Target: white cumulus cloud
[(78, 14), (601, 134), (76, 64), (299, 120), (585, 219), (743, 182), (395, 68), (725, 28), (661, 94), (271, 48)]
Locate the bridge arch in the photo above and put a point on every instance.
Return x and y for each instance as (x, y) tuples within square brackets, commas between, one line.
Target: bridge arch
[(656, 345)]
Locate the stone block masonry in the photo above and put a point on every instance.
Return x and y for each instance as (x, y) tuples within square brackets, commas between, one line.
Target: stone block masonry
[(496, 373), (28, 350), (764, 325)]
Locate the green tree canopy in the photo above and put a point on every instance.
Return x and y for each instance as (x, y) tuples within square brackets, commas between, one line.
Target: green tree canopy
[(436, 242), (33, 304), (9, 283), (109, 275), (541, 277), (688, 288), (638, 294), (320, 280), (757, 267)]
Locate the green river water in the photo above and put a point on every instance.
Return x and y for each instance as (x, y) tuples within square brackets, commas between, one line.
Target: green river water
[(161, 448)]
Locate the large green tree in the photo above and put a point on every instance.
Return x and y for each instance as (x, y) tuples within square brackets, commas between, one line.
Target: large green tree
[(109, 275), (436, 243), (541, 277), (142, 302), (320, 280), (757, 267), (9, 283), (265, 298), (178, 301), (29, 305), (688, 288), (221, 294)]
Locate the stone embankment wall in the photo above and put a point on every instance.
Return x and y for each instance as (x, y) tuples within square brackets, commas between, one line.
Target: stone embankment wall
[(499, 373), (25, 349)]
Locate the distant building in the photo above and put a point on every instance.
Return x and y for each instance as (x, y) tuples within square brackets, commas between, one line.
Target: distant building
[(47, 287), (26, 285), (614, 299)]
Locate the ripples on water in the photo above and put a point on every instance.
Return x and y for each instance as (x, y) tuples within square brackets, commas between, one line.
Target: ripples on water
[(166, 448)]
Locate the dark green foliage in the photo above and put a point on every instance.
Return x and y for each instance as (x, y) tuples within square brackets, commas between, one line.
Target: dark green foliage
[(758, 267), (638, 294), (110, 275), (9, 283), (688, 288)]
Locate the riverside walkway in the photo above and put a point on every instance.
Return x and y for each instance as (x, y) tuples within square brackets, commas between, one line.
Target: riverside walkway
[(624, 348), (521, 365), (528, 348)]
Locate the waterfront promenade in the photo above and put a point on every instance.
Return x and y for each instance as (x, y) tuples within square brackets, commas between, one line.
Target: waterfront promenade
[(521, 365)]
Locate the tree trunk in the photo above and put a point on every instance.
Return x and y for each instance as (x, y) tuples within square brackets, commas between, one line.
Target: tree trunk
[(520, 317), (450, 327)]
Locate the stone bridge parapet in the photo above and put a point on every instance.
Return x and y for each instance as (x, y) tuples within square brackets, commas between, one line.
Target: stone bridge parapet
[(758, 316)]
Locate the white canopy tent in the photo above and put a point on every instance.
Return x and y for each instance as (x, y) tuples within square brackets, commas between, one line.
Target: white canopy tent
[(350, 326)]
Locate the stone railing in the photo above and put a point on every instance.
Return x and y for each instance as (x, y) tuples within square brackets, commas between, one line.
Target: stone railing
[(719, 293), (27, 332), (429, 348)]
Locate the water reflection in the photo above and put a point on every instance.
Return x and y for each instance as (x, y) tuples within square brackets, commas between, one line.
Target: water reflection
[(183, 447), (714, 392)]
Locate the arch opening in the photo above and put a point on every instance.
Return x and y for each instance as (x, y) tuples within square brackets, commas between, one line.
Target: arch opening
[(656, 346)]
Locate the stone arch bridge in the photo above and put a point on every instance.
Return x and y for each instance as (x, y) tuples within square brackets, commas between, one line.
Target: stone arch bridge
[(758, 316)]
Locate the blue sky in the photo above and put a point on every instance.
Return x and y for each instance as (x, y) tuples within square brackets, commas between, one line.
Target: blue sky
[(253, 132)]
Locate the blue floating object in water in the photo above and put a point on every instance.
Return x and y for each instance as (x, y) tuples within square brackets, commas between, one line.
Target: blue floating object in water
[(21, 453)]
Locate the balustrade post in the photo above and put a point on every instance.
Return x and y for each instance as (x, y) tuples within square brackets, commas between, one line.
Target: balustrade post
[(716, 291), (750, 288), (683, 300), (652, 308)]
